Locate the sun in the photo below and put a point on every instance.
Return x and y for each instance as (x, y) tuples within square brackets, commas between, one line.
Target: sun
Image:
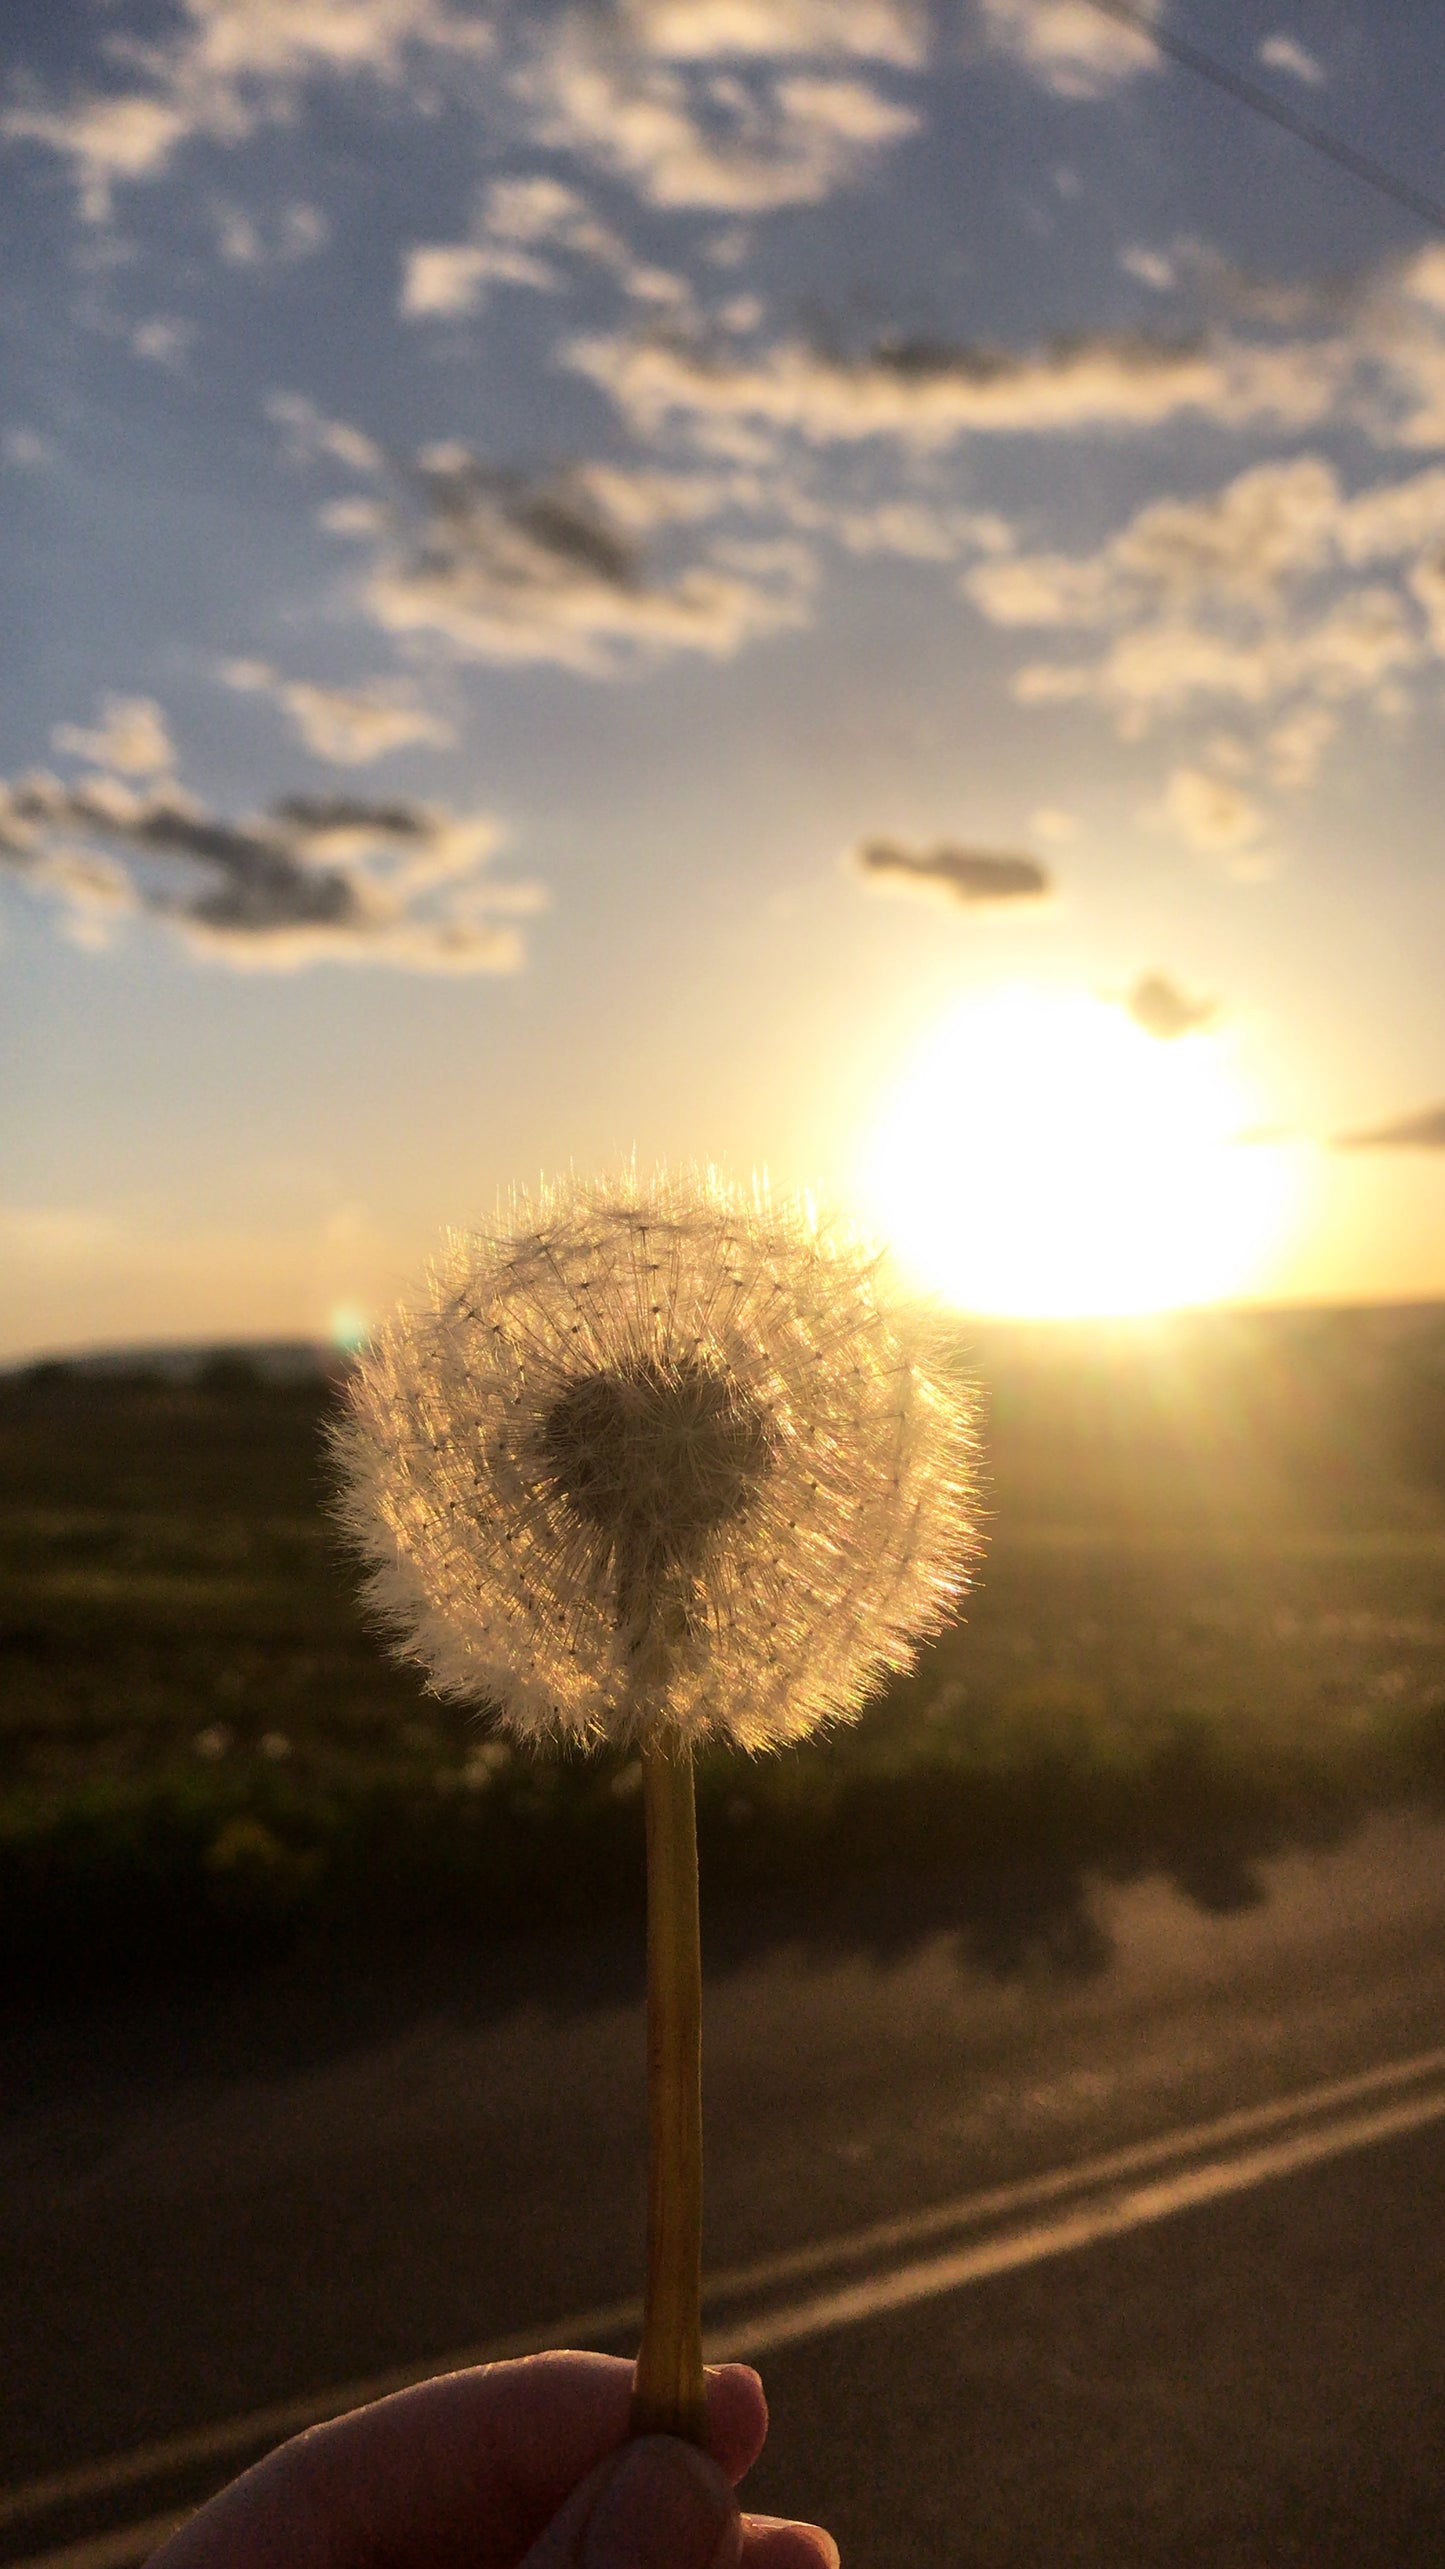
[(1043, 1156)]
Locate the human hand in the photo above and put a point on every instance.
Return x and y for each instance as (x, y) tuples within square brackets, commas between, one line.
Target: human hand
[(525, 2465)]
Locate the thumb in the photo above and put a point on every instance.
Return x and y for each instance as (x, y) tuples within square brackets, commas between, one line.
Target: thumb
[(658, 2504)]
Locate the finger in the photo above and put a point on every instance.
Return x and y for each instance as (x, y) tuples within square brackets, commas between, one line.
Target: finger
[(737, 2417), (775, 2542), (658, 2504), (471, 2466)]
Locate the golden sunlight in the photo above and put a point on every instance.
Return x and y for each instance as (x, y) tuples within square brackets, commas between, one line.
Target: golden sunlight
[(1043, 1156)]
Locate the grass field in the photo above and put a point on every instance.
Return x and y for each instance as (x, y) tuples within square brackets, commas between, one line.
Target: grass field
[(1211, 1623)]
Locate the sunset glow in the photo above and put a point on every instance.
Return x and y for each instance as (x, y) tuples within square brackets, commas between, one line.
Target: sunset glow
[(1042, 1155), (580, 575)]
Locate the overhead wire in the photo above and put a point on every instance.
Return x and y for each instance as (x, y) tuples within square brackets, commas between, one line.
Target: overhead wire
[(1264, 102)]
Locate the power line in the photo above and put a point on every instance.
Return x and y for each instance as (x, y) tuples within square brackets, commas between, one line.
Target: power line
[(1253, 94)]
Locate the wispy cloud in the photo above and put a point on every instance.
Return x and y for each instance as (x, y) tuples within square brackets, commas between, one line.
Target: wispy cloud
[(1282, 52), (1423, 1130), (348, 725), (1263, 598), (131, 736), (441, 279), (636, 94), (312, 879), (973, 876), (273, 237), (309, 437), (231, 67), (520, 220), (1073, 49)]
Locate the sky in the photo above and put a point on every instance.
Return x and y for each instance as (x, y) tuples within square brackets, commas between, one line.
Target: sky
[(846, 588)]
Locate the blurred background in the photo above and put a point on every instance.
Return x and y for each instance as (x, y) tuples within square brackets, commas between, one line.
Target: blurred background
[(846, 588)]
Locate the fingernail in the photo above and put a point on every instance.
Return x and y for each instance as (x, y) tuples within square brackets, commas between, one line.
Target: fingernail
[(666, 2506), (817, 2534)]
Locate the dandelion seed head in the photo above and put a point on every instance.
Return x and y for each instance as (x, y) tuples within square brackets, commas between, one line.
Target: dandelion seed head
[(656, 1450)]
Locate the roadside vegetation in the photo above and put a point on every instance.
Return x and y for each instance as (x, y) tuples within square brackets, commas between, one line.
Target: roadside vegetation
[(1210, 1626)]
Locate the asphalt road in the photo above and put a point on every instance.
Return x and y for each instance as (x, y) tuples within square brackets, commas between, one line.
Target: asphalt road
[(307, 2179)]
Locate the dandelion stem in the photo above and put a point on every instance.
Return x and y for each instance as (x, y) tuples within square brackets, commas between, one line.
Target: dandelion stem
[(668, 2396)]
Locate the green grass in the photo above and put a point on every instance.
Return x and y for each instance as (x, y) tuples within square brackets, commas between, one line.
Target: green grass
[(1211, 1622)]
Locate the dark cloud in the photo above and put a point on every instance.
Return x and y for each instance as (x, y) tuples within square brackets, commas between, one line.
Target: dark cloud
[(972, 875), (331, 815), (1422, 1131), (1164, 1010), (922, 359), (515, 528), (314, 877), (508, 566)]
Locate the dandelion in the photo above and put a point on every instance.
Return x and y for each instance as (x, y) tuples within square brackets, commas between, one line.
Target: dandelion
[(657, 1466)]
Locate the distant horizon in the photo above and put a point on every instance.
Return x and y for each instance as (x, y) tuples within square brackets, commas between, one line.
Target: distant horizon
[(103, 1355)]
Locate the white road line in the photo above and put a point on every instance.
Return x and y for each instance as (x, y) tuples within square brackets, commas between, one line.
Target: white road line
[(1245, 2123), (1221, 2166), (1131, 2208), (112, 2550)]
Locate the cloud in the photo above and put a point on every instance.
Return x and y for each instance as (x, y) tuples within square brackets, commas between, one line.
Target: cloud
[(1392, 520), (1165, 1011), (310, 437), (232, 67), (537, 208), (1072, 47), (1399, 352), (1211, 813), (166, 339), (1150, 267), (915, 531), (970, 875), (1294, 747), (1358, 647), (511, 567), (1247, 595), (1244, 542), (1371, 355), (131, 736), (888, 31), (313, 879), (683, 134), (1422, 1131), (27, 450), (929, 393), (348, 725), (1285, 53), (275, 238), (518, 219), (445, 278)]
